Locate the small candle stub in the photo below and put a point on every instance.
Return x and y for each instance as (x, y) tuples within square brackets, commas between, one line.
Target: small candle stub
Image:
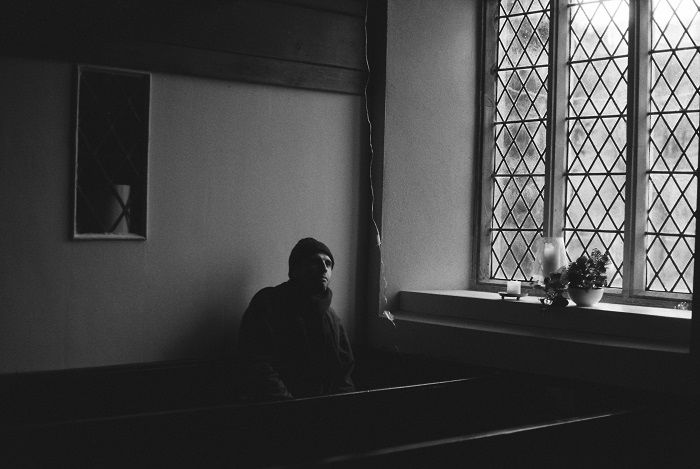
[(513, 287)]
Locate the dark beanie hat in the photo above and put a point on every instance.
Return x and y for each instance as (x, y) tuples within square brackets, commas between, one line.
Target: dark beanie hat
[(307, 247)]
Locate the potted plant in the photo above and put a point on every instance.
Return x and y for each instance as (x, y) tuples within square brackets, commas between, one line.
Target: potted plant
[(587, 277)]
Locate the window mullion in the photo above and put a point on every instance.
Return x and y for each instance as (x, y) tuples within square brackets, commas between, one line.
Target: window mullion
[(634, 261), (485, 163), (554, 203)]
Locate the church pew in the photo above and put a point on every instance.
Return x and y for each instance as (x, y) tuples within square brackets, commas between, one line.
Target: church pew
[(662, 434), (52, 396), (315, 431)]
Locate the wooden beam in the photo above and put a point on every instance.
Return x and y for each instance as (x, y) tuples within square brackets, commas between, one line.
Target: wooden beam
[(375, 101), (279, 43), (348, 7)]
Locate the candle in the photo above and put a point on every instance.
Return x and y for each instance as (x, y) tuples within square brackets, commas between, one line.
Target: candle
[(513, 287), (549, 259), (548, 250)]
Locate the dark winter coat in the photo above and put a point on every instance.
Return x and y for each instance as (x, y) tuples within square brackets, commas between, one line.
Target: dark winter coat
[(293, 345)]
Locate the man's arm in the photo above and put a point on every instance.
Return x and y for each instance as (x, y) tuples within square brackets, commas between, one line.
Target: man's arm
[(257, 347), (343, 380)]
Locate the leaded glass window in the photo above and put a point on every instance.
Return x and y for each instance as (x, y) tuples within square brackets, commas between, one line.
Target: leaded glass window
[(592, 134), (520, 135), (674, 118), (596, 130)]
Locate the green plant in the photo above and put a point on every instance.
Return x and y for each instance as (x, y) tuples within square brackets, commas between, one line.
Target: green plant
[(588, 272)]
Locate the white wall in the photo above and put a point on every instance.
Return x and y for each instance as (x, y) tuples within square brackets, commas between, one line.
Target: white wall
[(238, 173), (432, 52)]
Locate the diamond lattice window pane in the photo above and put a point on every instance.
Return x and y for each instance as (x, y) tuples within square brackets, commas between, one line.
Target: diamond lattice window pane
[(673, 143), (598, 87), (581, 241), (670, 263), (674, 120), (595, 202), (522, 94), (671, 203), (597, 145), (520, 148), (514, 7), (523, 40), (674, 78), (597, 131), (512, 253), (675, 24), (520, 135), (112, 153), (519, 203), (598, 29)]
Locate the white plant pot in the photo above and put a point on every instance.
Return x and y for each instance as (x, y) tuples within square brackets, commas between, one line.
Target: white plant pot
[(585, 296)]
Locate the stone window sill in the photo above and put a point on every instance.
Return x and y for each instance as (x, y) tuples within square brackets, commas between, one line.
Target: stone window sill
[(615, 325)]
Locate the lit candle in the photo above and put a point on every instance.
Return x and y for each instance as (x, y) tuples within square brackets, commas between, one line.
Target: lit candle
[(513, 287)]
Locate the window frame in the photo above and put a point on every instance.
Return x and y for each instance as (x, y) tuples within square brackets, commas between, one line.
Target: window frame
[(634, 254)]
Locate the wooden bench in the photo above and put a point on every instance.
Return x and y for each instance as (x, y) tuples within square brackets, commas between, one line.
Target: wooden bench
[(489, 416)]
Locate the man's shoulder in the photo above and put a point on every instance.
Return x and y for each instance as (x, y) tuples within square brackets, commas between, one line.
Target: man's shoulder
[(268, 294), (264, 293)]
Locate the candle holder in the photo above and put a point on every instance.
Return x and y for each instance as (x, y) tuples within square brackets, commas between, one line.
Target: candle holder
[(548, 269), (550, 256), (513, 290)]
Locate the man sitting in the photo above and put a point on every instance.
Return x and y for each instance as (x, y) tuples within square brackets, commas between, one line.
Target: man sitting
[(291, 341)]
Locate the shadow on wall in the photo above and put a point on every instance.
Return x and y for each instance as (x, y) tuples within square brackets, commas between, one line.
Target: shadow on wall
[(219, 307)]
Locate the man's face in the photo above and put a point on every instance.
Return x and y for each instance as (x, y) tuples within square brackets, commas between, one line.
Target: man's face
[(314, 272)]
